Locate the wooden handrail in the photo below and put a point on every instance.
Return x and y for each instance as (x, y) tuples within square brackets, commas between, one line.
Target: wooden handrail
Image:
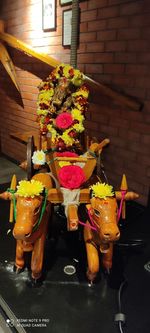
[(18, 44), (130, 102)]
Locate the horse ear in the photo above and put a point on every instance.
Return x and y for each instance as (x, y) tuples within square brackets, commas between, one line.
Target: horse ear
[(123, 187)]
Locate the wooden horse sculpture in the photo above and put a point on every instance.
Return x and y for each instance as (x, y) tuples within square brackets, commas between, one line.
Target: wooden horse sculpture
[(30, 229), (89, 162), (101, 230)]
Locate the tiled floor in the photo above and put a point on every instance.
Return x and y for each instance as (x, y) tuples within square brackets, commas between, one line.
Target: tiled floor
[(8, 169)]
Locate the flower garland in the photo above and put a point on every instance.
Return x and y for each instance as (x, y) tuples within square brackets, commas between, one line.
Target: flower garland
[(62, 102), (102, 190)]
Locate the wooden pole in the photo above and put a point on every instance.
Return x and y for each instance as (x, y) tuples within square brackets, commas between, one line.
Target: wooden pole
[(74, 33), (8, 64), (6, 60)]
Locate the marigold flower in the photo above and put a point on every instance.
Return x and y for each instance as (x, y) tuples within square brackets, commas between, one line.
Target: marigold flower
[(102, 190), (67, 139), (46, 94), (79, 127), (29, 188), (42, 112), (77, 115), (64, 120)]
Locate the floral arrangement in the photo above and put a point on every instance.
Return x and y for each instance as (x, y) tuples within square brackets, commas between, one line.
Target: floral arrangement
[(71, 176), (102, 190), (62, 103), (29, 188)]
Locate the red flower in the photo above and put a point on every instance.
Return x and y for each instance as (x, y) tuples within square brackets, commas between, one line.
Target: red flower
[(71, 72), (71, 176), (67, 154), (64, 120), (60, 144), (72, 134), (47, 120), (43, 129)]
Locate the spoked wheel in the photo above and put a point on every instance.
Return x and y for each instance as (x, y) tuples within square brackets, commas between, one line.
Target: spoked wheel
[(30, 150)]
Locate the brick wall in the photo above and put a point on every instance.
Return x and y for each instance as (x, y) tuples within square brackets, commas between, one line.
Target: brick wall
[(114, 48)]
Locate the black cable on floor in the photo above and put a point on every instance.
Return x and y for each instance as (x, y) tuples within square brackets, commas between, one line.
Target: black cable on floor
[(129, 244), (120, 317)]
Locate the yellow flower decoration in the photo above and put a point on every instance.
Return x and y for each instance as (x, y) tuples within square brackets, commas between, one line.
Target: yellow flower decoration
[(81, 92), (42, 112), (45, 95), (78, 106), (63, 163), (78, 79), (102, 190), (42, 101), (67, 139), (55, 72), (76, 114), (53, 132), (66, 70), (78, 127), (29, 188)]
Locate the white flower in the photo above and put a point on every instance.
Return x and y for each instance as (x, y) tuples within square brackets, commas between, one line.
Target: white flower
[(39, 157)]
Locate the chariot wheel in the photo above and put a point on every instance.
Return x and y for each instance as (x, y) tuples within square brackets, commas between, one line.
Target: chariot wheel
[(30, 150)]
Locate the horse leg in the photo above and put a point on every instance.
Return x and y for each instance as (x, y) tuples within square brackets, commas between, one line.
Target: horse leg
[(38, 247), (92, 254), (19, 261), (37, 257), (107, 258), (93, 261)]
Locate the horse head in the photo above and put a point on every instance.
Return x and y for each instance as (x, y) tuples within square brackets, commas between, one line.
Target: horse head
[(103, 213), (27, 216), (30, 205)]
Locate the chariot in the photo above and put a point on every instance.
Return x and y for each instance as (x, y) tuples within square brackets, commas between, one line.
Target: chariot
[(61, 107)]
